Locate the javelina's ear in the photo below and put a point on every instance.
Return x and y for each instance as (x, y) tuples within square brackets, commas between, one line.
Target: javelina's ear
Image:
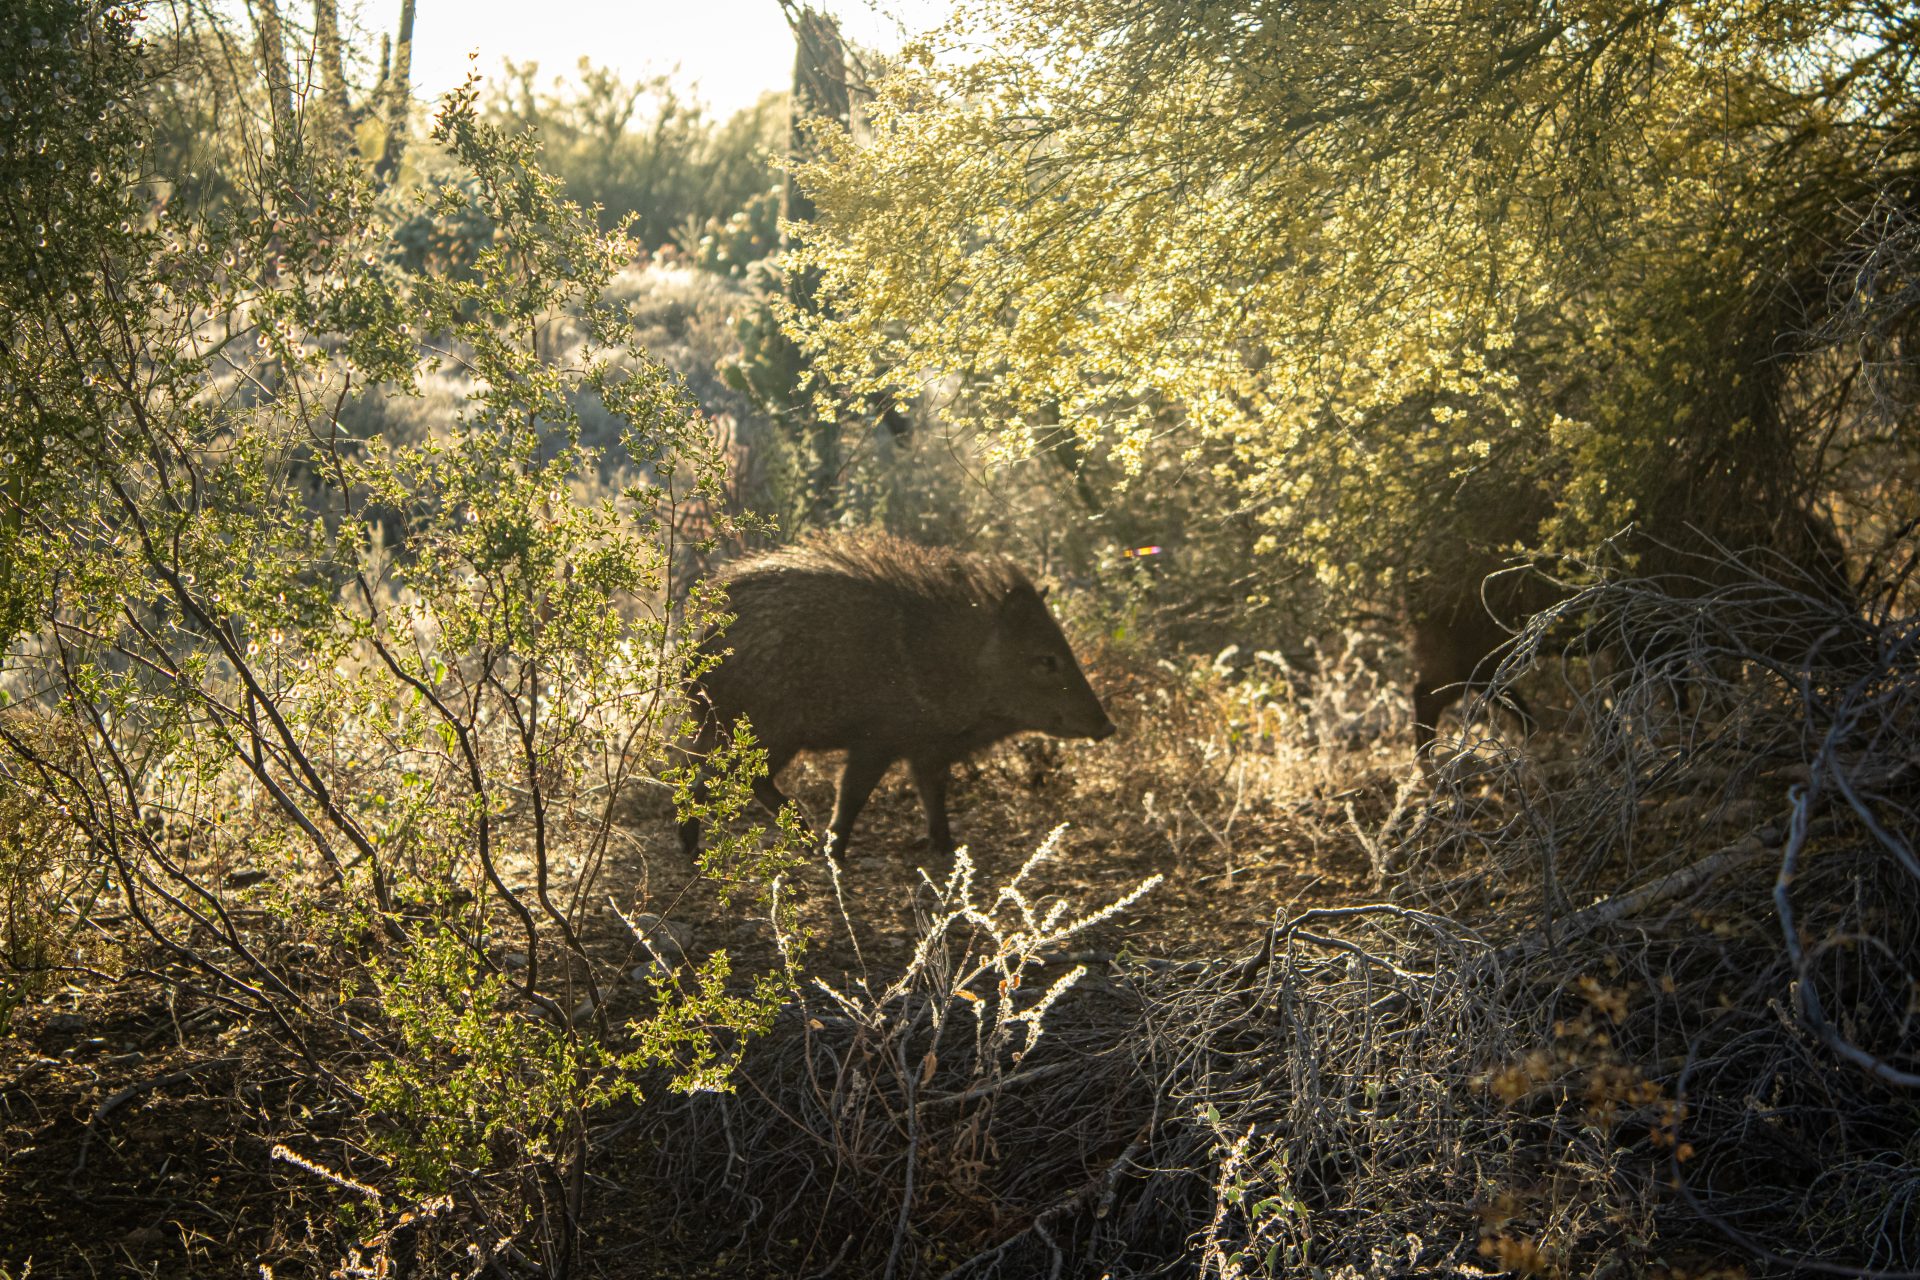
[(1017, 594), (1045, 592)]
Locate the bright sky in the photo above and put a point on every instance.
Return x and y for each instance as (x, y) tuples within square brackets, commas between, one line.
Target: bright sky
[(732, 50)]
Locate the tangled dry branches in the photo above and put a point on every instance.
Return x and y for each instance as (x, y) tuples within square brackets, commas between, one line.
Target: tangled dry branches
[(1622, 1049)]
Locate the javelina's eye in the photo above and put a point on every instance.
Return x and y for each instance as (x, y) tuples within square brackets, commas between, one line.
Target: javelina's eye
[(1048, 663)]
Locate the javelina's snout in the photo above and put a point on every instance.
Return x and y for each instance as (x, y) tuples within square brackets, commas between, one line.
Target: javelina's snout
[(1095, 727), (1083, 716)]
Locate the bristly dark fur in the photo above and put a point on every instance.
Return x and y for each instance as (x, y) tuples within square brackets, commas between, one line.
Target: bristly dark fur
[(887, 651), (929, 573)]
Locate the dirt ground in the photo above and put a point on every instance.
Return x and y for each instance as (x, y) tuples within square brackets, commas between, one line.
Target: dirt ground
[(1220, 883)]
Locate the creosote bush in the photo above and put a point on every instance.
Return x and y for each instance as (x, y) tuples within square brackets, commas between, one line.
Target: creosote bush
[(344, 720)]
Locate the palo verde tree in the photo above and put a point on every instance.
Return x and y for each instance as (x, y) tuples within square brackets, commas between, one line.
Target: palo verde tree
[(1409, 279), (343, 724)]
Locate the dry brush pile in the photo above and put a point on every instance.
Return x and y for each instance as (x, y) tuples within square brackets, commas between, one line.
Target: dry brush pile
[(1646, 1007)]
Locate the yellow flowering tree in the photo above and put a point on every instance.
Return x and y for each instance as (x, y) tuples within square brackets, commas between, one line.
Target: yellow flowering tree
[(1412, 278)]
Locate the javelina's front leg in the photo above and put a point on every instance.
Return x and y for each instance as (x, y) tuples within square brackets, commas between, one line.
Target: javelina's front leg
[(764, 791), (930, 776), (770, 796), (862, 773)]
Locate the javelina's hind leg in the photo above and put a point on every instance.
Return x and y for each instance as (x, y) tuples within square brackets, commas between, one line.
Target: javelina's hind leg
[(930, 776), (690, 827), (697, 747), (862, 773)]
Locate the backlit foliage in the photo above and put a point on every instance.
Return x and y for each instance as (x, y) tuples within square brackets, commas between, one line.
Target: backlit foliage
[(1419, 265), (300, 695)]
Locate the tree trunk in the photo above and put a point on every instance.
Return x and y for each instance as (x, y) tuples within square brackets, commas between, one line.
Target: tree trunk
[(820, 102), (399, 97), (333, 75), (271, 41), (820, 99)]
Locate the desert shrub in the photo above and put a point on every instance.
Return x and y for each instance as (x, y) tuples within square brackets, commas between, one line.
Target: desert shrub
[(472, 1072), (358, 706), (748, 235), (1729, 856), (888, 1079), (683, 320), (1691, 695), (1014, 1105)]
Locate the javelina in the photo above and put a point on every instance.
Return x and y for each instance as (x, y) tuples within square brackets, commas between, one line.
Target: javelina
[(1454, 635), (1459, 623), (887, 651)]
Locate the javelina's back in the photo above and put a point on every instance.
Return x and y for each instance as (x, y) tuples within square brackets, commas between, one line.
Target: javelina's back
[(841, 640), (889, 650)]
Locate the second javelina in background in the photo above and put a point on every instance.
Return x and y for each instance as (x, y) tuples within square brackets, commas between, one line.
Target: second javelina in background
[(888, 651)]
